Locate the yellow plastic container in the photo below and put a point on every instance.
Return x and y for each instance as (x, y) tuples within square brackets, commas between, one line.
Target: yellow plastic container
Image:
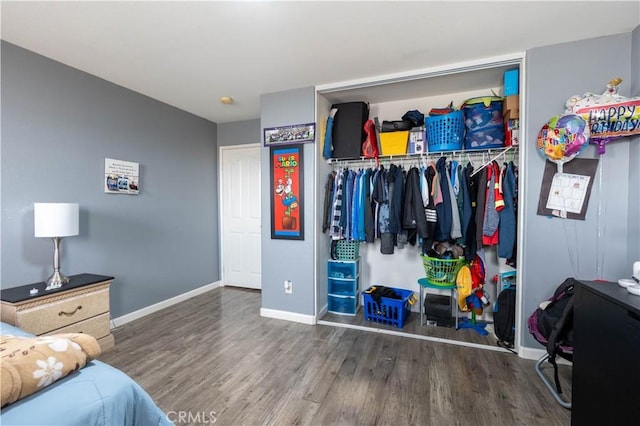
[(394, 143)]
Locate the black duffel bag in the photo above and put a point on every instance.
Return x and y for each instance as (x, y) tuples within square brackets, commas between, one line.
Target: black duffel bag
[(394, 126)]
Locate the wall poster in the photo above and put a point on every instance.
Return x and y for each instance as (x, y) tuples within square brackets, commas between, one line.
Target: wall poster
[(287, 211), (121, 177), (285, 135)]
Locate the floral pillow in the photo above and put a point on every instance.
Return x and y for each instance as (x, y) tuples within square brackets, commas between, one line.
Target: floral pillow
[(28, 364)]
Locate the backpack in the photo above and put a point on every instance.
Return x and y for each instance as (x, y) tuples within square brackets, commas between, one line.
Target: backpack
[(553, 325), (504, 316), (370, 144)]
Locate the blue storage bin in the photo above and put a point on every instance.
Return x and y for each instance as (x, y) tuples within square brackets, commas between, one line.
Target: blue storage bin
[(388, 311), (342, 305), (445, 132), (511, 82), (347, 270), (484, 123), (342, 287)]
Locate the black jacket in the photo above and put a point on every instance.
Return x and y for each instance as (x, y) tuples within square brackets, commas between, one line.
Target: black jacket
[(328, 198), (413, 213)]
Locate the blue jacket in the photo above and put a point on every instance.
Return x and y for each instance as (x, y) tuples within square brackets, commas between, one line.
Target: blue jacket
[(445, 218), (507, 215)]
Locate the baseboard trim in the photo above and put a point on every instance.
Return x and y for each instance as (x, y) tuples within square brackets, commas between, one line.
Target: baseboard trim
[(288, 316), (323, 311), (531, 353), (131, 316), (536, 354)]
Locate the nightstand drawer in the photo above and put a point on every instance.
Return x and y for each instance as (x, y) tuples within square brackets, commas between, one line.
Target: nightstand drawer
[(97, 327), (51, 316)]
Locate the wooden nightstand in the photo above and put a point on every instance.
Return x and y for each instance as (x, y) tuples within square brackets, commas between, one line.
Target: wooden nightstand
[(80, 306)]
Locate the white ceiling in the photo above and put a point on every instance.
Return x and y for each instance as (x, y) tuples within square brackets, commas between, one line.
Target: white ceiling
[(189, 54)]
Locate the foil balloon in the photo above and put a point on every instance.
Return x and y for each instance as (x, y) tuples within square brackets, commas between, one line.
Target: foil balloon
[(610, 115), (562, 138)]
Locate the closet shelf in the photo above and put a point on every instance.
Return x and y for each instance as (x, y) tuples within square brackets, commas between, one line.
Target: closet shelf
[(478, 158)]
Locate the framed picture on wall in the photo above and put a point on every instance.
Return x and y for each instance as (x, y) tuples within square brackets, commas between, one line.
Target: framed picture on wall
[(287, 212), (121, 177), (285, 135)]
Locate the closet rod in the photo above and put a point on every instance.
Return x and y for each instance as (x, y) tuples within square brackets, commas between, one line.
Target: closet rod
[(472, 156)]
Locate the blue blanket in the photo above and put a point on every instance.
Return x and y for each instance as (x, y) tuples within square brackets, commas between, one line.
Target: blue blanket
[(98, 394)]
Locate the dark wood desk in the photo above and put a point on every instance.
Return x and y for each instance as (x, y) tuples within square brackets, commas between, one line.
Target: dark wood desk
[(606, 358)]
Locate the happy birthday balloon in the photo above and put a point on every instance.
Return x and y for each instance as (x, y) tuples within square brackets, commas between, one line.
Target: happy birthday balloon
[(562, 138), (610, 115)]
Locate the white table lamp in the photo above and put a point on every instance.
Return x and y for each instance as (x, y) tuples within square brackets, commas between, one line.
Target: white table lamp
[(56, 220)]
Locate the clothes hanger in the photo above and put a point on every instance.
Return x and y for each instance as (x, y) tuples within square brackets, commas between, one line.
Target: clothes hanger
[(485, 163)]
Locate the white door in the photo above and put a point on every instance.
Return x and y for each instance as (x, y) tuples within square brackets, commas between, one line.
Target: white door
[(240, 187)]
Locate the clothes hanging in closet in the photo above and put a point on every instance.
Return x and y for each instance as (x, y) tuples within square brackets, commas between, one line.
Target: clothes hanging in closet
[(444, 209), (414, 219), (430, 210), (481, 195), (456, 229), (336, 230), (328, 198), (507, 227), (441, 201), (493, 205)]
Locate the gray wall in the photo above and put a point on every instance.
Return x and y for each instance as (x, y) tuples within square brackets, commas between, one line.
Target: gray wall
[(289, 259), (634, 157), (58, 125), (239, 132), (553, 74)]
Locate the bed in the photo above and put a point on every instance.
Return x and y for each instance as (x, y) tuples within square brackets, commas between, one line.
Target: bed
[(97, 394)]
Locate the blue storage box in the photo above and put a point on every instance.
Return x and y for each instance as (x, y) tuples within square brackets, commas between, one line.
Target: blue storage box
[(511, 82), (388, 311), (343, 305), (484, 123)]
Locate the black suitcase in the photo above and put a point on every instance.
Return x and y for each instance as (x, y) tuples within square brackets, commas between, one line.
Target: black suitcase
[(348, 129)]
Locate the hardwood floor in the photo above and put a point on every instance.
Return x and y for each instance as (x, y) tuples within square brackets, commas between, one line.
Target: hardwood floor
[(214, 353), (412, 327)]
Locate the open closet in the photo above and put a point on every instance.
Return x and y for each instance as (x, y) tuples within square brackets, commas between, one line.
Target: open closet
[(389, 97)]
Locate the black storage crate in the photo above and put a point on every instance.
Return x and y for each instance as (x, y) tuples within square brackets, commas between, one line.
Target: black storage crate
[(437, 308)]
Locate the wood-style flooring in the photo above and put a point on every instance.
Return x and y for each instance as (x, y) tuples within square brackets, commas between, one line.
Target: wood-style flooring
[(214, 353), (412, 327)]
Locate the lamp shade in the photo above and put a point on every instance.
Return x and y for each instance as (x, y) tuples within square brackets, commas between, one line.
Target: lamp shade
[(55, 219)]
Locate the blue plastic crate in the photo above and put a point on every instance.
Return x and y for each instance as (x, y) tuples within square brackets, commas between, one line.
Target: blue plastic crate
[(389, 311)]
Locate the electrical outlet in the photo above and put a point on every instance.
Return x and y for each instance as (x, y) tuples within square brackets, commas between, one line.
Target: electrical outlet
[(288, 287)]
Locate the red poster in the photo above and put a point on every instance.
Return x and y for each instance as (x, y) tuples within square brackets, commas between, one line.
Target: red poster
[(286, 193)]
